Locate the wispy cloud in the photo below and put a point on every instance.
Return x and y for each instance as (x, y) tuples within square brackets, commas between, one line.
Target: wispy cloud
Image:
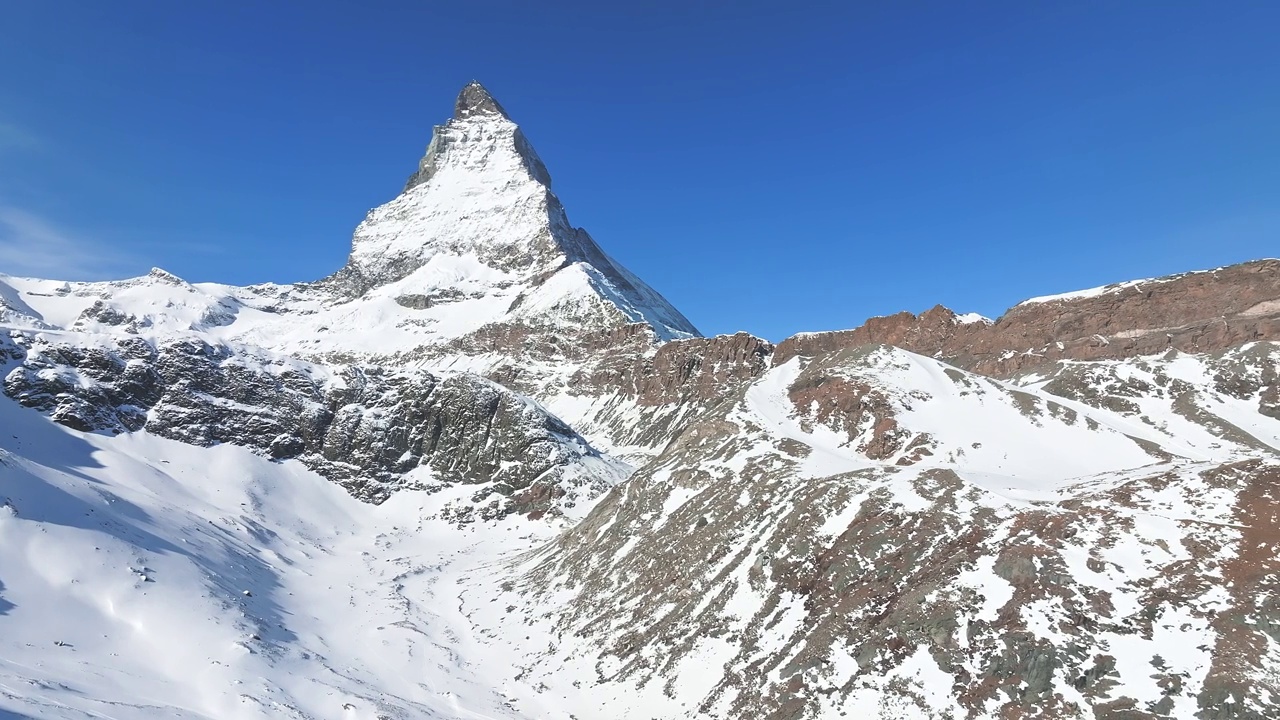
[(35, 247), (14, 137)]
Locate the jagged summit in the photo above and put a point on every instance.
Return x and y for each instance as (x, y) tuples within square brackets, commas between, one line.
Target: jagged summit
[(474, 99), (477, 221), (479, 122)]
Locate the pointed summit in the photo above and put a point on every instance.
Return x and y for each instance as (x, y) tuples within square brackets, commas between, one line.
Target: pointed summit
[(477, 238), (480, 122), (475, 100)]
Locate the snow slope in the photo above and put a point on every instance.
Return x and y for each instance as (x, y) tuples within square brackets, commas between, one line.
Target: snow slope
[(143, 578), (731, 565)]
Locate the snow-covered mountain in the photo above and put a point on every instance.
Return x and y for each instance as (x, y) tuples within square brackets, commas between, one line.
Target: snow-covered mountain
[(478, 232), (475, 242), (483, 471)]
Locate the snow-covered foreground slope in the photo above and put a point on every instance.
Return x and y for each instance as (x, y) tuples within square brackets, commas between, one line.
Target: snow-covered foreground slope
[(871, 531), (791, 554), (145, 578)]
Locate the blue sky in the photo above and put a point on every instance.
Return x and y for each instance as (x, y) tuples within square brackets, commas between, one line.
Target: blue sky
[(768, 167)]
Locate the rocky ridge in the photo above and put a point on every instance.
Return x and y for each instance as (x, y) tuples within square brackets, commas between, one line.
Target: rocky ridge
[(1195, 312), (370, 429)]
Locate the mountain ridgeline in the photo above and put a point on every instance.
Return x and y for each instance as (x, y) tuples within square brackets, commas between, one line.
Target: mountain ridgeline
[(1069, 511)]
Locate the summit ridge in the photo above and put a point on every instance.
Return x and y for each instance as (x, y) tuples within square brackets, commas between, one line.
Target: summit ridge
[(478, 221), (474, 99)]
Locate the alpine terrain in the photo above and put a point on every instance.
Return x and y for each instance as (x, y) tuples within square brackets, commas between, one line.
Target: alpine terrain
[(484, 471)]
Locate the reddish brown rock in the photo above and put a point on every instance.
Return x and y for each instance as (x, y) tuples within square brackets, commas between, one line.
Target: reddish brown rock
[(930, 333), (1248, 623), (681, 370), (851, 404), (1194, 312)]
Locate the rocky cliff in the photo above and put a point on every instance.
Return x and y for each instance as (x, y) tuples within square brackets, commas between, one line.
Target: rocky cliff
[(370, 429), (1195, 312)]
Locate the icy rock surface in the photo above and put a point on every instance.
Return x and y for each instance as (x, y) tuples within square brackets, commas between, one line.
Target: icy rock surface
[(366, 428)]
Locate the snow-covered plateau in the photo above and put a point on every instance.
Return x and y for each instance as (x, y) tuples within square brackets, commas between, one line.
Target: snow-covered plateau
[(483, 471)]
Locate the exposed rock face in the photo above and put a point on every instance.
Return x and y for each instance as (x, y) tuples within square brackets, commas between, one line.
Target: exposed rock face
[(366, 428), (1197, 312), (684, 370), (473, 101), (947, 588), (856, 407)]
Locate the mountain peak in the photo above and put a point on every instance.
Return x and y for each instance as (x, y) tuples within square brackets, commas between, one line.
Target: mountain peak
[(474, 109), (478, 223), (476, 100)]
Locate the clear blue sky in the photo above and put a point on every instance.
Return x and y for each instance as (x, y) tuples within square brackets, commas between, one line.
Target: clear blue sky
[(769, 167)]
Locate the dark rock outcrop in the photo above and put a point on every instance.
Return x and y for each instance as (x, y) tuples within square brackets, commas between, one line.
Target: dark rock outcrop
[(474, 99), (696, 369), (363, 427)]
